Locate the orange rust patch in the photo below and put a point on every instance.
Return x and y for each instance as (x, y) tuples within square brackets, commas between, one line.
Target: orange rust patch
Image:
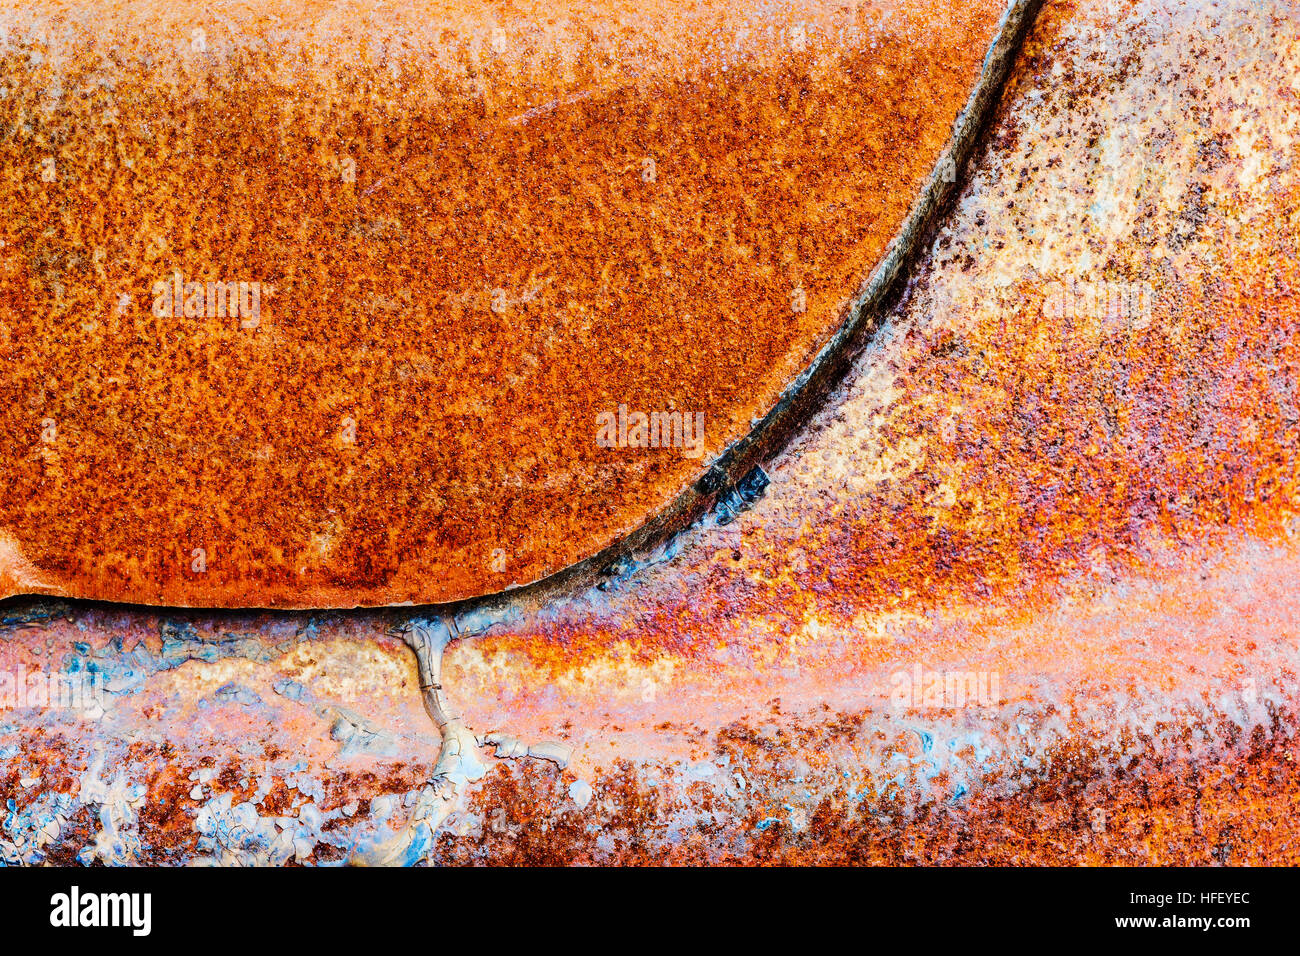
[(459, 241), (1101, 514)]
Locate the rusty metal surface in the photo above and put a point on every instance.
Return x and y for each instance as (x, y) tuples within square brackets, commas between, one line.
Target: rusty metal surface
[(459, 238), (1081, 518)]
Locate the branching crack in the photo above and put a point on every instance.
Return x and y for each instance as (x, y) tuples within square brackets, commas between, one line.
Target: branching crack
[(458, 761)]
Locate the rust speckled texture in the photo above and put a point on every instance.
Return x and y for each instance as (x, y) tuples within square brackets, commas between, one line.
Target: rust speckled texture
[(455, 238), (1063, 476)]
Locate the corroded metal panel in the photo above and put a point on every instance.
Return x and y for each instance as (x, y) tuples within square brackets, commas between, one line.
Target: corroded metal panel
[(1022, 590), (423, 301)]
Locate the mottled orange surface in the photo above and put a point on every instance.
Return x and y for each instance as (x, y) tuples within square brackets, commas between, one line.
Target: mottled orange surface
[(470, 232), (1100, 511)]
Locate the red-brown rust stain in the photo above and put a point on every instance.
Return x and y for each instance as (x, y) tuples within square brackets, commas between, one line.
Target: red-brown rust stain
[(48, 757), (1171, 812), (1164, 808), (1142, 457), (1016, 452), (1158, 809), (1072, 449), (538, 231), (1206, 451)]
